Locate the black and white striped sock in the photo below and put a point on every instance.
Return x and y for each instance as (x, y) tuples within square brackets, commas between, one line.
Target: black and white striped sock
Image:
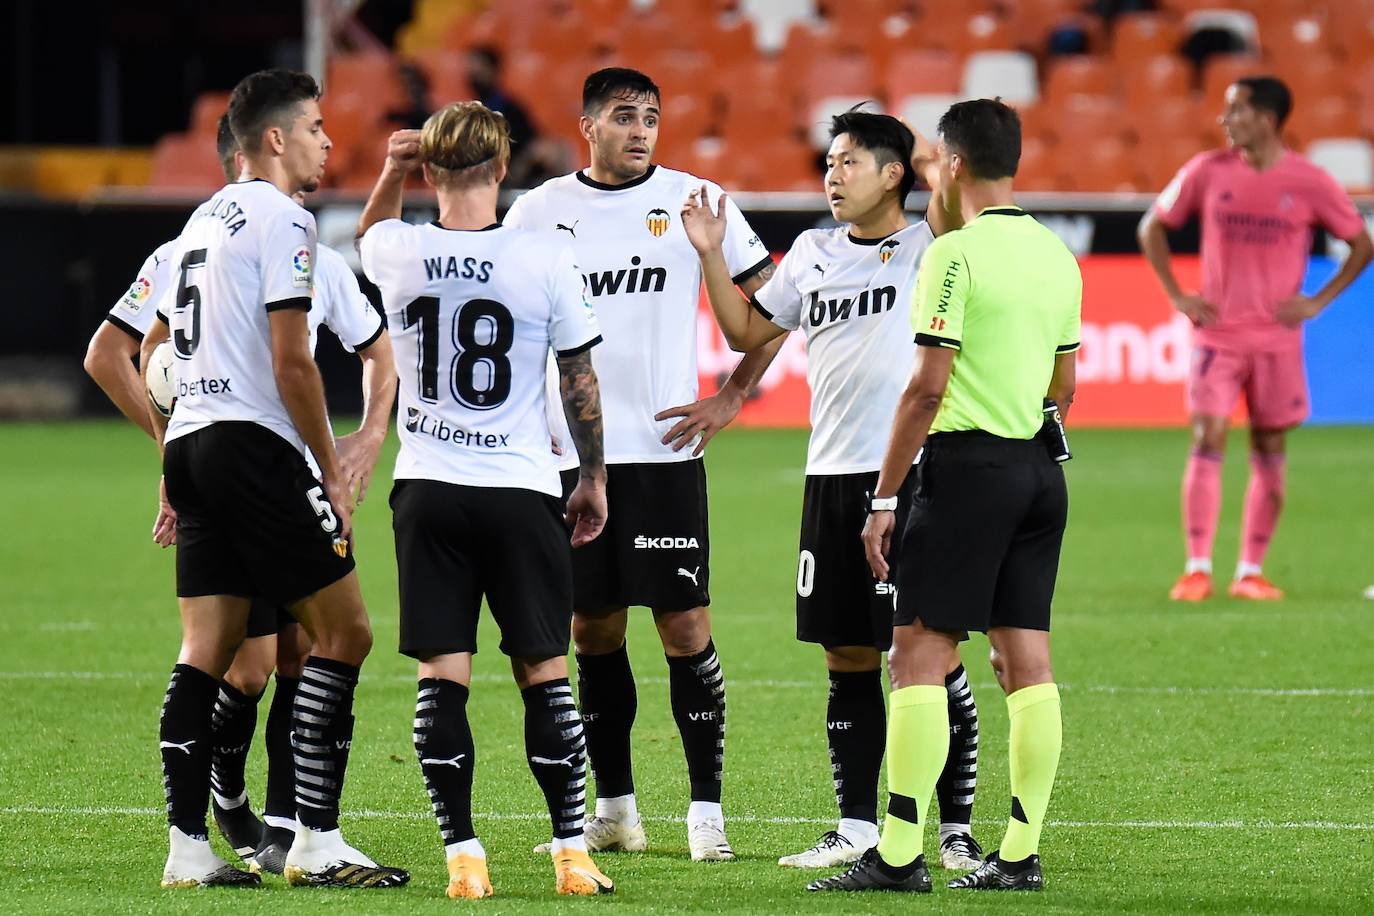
[(184, 739), (955, 788), (231, 734), (322, 732), (556, 748), (443, 745), (696, 690)]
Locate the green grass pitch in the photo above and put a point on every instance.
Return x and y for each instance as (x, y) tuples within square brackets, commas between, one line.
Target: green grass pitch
[(1216, 757)]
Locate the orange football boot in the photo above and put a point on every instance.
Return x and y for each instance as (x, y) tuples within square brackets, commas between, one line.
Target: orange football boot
[(1255, 588), (1193, 586)]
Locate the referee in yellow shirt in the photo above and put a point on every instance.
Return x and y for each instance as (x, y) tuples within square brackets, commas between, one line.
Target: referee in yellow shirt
[(996, 315)]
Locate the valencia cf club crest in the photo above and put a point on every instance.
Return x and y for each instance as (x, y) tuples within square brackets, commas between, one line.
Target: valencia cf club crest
[(658, 221), (341, 546), (887, 249)]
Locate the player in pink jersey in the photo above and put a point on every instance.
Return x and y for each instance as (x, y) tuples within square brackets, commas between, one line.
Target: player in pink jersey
[(1258, 202)]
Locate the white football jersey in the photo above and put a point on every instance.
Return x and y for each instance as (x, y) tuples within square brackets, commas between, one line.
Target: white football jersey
[(246, 251), (852, 298), (644, 277), (136, 309), (341, 305), (473, 316)]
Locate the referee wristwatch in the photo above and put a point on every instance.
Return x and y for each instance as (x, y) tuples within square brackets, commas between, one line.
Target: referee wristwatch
[(882, 503)]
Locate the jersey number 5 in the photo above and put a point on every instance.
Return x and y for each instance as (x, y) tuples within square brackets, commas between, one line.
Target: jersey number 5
[(188, 296), (483, 332)]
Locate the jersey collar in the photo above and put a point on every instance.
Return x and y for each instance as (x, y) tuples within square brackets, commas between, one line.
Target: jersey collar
[(1009, 210), (437, 225), (602, 186)]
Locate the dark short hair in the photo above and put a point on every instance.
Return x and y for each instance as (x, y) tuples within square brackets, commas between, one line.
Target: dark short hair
[(268, 98), (986, 133), (616, 83), (888, 139), (1269, 93), (226, 145)]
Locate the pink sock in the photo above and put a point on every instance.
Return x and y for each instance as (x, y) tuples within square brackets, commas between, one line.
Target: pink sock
[(1263, 500), (1201, 502)]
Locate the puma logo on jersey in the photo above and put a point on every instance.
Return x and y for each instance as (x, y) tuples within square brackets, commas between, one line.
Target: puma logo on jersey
[(568, 761), (443, 762), (642, 542), (157, 262), (634, 280), (868, 302), (184, 747), (818, 269), (301, 228), (690, 575), (571, 230)]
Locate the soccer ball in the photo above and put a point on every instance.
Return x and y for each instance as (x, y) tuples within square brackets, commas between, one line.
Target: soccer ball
[(162, 378)]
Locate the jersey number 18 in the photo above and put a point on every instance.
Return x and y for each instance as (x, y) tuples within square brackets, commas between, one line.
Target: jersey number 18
[(479, 373)]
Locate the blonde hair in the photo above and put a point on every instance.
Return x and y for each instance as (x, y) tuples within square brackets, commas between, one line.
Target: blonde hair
[(465, 143)]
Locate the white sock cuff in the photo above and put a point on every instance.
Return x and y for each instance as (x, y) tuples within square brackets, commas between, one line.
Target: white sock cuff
[(857, 831), (1198, 564), (285, 823), (618, 808), (699, 811), (577, 843), (948, 830), (472, 847), (229, 803)]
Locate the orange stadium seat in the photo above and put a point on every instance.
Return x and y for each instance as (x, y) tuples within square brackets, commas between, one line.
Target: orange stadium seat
[(758, 95), (839, 74), (447, 73), (1081, 74), (1363, 88), (983, 31), (730, 41), (686, 119), (1079, 119), (1295, 38), (1316, 75), (776, 163), (206, 112), (1159, 161), (1147, 80), (494, 28), (680, 72), (186, 161), (1352, 29), (1144, 35), (1321, 117), (1105, 164), (349, 116), (1037, 170), (921, 73), (371, 73)]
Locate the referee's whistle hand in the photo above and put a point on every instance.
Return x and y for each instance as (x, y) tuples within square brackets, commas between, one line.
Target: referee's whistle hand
[(877, 538)]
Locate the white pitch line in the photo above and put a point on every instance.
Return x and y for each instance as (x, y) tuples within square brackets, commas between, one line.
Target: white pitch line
[(771, 684), (366, 814)]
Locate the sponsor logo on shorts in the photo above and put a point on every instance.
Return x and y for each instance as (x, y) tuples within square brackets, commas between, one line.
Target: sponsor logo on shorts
[(884, 588), (422, 424), (644, 542)]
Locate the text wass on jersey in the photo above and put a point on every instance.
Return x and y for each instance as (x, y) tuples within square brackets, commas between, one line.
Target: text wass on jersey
[(473, 315), (644, 277), (245, 252), (849, 296)]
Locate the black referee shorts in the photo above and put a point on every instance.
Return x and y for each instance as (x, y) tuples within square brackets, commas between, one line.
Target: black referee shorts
[(982, 540), (252, 520)]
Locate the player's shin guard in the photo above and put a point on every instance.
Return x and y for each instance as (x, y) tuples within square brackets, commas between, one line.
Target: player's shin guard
[(322, 729), (855, 728), (279, 803), (556, 749), (443, 745), (1036, 735), (231, 733), (955, 788), (1263, 502), (917, 745), (606, 695), (1201, 502), (696, 690), (184, 737)]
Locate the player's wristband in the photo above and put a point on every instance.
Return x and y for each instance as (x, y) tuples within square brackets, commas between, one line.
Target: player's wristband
[(882, 503)]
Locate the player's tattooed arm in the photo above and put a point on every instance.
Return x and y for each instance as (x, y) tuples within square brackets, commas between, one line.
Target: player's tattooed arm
[(756, 281), (582, 406)]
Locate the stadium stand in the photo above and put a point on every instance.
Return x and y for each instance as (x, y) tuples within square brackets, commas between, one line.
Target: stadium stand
[(748, 79)]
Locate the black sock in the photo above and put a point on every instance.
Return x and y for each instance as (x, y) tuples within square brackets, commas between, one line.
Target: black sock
[(606, 694), (556, 749), (231, 734), (856, 728), (696, 689), (957, 782), (184, 738), (280, 799), (443, 745), (322, 732)]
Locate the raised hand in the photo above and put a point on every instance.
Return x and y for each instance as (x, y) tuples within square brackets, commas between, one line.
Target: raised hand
[(705, 230)]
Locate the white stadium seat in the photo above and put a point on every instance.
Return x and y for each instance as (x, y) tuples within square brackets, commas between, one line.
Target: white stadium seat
[(1350, 160), (772, 18), (1009, 75), (923, 111)]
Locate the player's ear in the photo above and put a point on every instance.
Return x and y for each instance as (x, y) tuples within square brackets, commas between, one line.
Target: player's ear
[(892, 175), (275, 140), (429, 174), (502, 168), (587, 127)]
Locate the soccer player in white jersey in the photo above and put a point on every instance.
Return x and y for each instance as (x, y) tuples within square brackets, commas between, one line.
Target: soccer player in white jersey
[(274, 639), (251, 518), (476, 308), (643, 276), (847, 289)]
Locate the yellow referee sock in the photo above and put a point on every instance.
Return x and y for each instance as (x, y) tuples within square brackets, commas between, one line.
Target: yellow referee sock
[(917, 745), (1036, 735)]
